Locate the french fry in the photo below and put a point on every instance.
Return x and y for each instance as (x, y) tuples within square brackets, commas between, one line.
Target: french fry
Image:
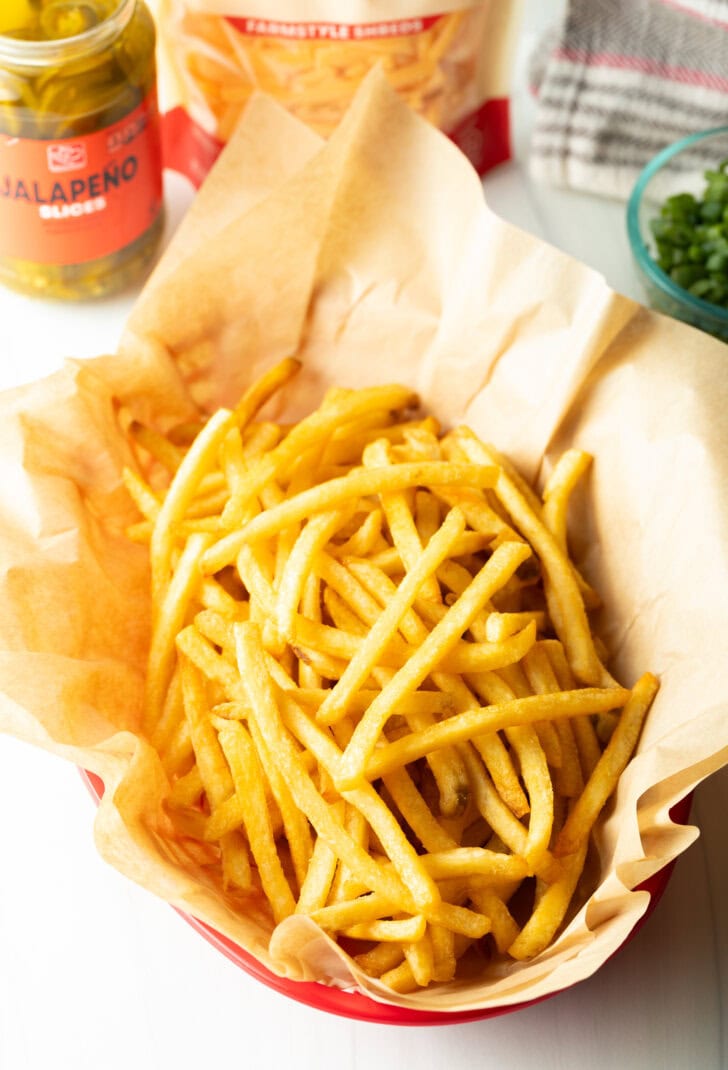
[(503, 925), (399, 930), (499, 626), (187, 790), (156, 445), (248, 779), (604, 777), (363, 540), (338, 492), (471, 861), (585, 735), (402, 978), (279, 744), (445, 764), (543, 681), (472, 723), (182, 489), (312, 432), (400, 520), (549, 913), (358, 911), (567, 472), (319, 877), (311, 609), (294, 822), (381, 959), (167, 623), (420, 959), (141, 494), (335, 705), (444, 962), (503, 562), (351, 684), (416, 813), (345, 885), (214, 772)]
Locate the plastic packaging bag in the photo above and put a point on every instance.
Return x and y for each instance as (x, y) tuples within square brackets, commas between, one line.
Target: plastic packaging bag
[(451, 62)]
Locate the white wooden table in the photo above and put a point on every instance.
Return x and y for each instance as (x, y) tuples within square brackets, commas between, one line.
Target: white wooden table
[(96, 974)]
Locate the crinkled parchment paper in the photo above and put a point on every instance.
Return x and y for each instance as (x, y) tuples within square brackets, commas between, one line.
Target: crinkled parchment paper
[(374, 258)]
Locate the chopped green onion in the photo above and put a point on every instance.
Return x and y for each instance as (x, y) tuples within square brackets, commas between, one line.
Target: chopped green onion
[(691, 238)]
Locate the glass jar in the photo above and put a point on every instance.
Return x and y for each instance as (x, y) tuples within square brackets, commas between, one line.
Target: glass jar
[(81, 209)]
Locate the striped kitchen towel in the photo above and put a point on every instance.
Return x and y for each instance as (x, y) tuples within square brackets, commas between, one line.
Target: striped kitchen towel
[(619, 81)]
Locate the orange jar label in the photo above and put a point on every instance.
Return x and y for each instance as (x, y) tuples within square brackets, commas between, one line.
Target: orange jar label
[(76, 199)]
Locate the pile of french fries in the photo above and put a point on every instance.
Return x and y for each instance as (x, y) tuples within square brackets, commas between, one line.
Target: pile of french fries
[(372, 681)]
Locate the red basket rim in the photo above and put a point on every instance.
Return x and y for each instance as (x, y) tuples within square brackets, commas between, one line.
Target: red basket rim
[(360, 1007)]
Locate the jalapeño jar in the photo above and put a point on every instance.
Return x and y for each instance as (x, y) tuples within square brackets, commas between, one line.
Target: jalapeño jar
[(80, 157)]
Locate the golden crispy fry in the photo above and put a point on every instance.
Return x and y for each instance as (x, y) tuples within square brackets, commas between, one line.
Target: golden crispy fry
[(168, 622), (543, 681), (515, 679), (178, 753), (420, 959), (341, 915), (416, 813), (363, 540), (187, 790), (351, 686), (499, 626), (142, 494), (311, 610), (444, 962), (294, 822), (345, 885), (214, 771), (565, 602), (182, 490), (402, 978), (446, 766), (310, 434), (402, 929), (338, 492), (335, 705), (156, 445), (471, 861), (489, 745), (319, 877), (503, 925), (604, 778), (500, 566), (479, 514), (585, 735), (402, 527), (381, 959), (248, 778), (549, 913), (567, 472), (279, 744), (472, 723)]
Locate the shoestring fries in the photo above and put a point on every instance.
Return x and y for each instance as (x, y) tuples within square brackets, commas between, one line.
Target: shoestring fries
[(372, 680)]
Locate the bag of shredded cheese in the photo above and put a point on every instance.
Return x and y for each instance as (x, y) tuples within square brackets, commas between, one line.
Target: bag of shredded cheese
[(451, 61)]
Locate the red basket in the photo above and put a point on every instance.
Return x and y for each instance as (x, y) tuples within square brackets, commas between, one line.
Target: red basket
[(354, 1004)]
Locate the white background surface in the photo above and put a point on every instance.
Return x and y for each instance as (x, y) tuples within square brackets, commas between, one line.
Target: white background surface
[(95, 974)]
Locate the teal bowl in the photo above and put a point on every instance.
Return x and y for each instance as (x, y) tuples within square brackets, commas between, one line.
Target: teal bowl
[(677, 169)]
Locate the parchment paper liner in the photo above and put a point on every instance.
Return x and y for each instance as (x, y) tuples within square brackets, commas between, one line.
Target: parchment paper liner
[(374, 258)]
